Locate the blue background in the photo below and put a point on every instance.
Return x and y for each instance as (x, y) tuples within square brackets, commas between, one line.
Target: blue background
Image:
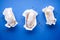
[(41, 31)]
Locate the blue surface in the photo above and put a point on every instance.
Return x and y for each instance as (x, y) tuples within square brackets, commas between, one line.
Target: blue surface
[(41, 31)]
